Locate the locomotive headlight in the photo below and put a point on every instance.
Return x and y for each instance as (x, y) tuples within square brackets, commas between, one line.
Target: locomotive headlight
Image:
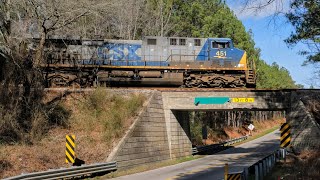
[(240, 65)]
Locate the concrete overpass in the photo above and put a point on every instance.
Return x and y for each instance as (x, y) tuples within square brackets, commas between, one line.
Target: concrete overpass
[(161, 131)]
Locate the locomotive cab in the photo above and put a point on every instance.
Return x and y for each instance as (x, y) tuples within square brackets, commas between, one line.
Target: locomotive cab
[(223, 53)]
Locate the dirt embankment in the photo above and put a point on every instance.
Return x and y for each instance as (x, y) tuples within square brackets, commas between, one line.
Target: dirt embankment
[(98, 120), (305, 166)]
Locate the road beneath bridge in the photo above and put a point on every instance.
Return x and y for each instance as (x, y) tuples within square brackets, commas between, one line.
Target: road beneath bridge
[(212, 166)]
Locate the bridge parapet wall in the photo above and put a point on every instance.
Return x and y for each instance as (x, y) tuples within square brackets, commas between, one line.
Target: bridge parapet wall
[(262, 100)]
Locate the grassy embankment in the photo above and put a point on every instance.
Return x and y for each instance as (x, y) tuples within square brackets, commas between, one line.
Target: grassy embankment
[(98, 120)]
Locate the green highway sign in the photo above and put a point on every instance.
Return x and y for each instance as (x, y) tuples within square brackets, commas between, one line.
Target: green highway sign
[(211, 100)]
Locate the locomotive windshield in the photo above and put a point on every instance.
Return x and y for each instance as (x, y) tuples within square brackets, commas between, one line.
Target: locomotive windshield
[(220, 45)]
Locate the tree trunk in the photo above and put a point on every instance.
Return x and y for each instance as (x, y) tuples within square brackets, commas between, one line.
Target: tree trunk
[(40, 50)]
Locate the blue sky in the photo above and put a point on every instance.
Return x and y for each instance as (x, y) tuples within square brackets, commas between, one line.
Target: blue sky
[(269, 33)]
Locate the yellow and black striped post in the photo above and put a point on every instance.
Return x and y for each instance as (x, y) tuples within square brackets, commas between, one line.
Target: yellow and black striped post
[(285, 135), (231, 176), (236, 176), (70, 145)]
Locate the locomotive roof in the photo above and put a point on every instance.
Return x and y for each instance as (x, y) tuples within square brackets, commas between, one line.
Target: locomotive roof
[(56, 37), (221, 39), (215, 39)]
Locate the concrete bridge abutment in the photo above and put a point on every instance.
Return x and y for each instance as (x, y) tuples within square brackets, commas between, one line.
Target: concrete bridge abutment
[(162, 131)]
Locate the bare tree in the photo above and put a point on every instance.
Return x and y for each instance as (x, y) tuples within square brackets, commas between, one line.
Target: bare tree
[(158, 17), (50, 16), (22, 112)]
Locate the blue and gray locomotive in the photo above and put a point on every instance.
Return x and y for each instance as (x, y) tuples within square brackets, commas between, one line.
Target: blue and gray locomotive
[(161, 61)]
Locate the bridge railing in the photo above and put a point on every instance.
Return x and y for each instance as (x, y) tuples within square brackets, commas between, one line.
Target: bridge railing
[(259, 169)]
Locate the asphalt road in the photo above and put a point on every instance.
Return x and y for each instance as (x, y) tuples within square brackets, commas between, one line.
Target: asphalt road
[(212, 166)]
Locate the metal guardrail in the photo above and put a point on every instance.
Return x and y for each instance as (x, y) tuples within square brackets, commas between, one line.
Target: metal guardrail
[(200, 149), (68, 172), (235, 140), (211, 147), (262, 167)]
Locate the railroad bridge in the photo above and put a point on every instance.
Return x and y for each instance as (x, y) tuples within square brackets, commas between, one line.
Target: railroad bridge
[(162, 129)]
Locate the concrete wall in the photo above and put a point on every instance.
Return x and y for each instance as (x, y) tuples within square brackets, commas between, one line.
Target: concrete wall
[(147, 139), (305, 131), (180, 139), (263, 100)]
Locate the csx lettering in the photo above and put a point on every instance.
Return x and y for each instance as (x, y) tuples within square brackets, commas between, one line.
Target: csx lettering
[(119, 52)]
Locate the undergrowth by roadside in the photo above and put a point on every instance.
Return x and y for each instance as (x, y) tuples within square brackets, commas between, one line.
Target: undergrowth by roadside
[(305, 166), (98, 120)]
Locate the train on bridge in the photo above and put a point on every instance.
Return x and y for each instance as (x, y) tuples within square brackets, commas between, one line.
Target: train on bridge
[(152, 61)]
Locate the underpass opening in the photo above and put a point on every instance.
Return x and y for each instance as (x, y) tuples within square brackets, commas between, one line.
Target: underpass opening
[(205, 127), (211, 127)]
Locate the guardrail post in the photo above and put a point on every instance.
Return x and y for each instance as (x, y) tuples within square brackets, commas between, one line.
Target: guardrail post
[(256, 171), (283, 153), (268, 164), (260, 171), (279, 156), (246, 173), (226, 171), (264, 164)]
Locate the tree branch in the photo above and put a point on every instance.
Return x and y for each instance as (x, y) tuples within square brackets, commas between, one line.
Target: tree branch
[(69, 21)]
